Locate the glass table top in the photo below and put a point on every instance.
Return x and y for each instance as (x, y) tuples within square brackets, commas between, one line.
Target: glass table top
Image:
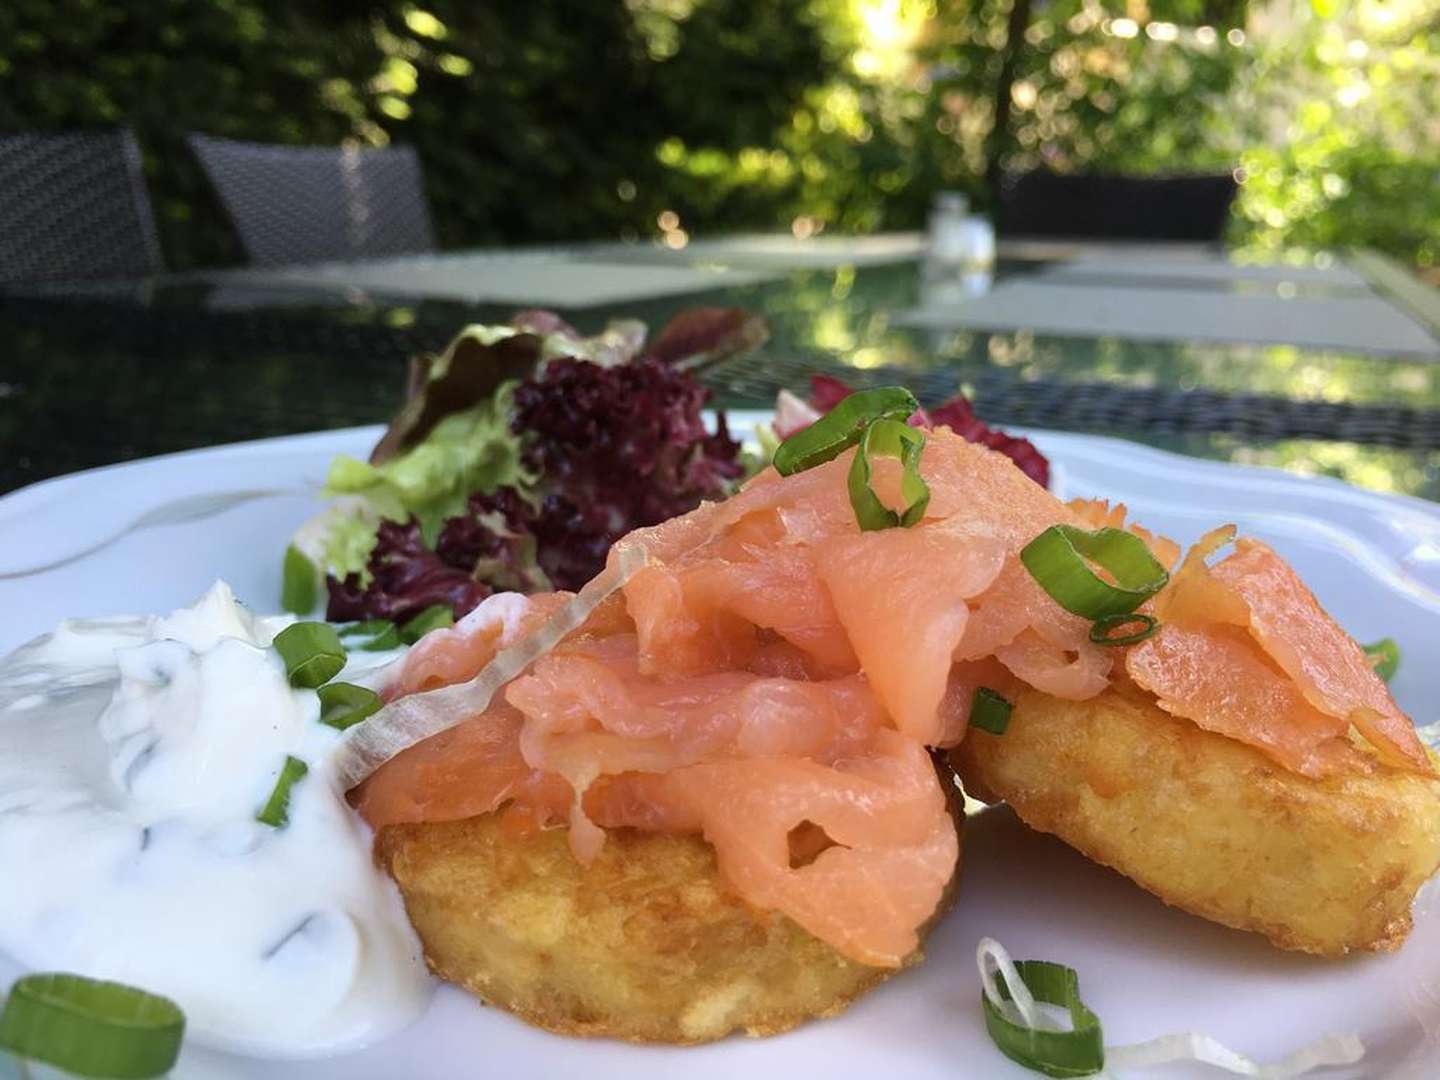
[(109, 373)]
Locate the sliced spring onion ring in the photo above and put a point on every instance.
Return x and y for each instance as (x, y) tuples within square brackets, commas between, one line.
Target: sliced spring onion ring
[(276, 811), (380, 635), (312, 653), (989, 711), (1018, 1031), (897, 439), (343, 704), (299, 582), (1385, 655), (842, 427), (1100, 632), (1057, 560), (1013, 1001), (435, 617), (92, 1028)]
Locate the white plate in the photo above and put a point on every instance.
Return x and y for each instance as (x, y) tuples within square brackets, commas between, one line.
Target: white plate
[(152, 535)]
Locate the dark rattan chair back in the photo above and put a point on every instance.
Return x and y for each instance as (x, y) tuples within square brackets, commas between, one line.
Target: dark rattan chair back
[(73, 207), (1186, 208), (312, 204)]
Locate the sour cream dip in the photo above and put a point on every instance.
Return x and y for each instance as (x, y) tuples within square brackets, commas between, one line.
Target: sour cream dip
[(134, 756)]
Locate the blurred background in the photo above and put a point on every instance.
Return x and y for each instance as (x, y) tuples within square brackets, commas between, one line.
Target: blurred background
[(661, 120)]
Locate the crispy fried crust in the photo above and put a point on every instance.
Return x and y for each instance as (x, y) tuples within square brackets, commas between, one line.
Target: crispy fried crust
[(1211, 825), (645, 944)]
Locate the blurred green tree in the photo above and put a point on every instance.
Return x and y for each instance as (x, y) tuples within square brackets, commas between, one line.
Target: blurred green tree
[(561, 119)]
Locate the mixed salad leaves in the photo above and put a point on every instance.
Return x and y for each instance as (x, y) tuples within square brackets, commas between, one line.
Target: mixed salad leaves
[(520, 454), (524, 450)]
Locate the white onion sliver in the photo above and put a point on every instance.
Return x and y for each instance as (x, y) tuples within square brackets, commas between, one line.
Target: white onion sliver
[(416, 717), (991, 956), (1326, 1052)]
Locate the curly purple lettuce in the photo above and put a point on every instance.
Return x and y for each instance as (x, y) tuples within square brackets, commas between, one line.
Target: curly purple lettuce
[(617, 443)]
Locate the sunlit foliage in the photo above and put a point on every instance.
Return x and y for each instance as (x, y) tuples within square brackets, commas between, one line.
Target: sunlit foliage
[(562, 119)]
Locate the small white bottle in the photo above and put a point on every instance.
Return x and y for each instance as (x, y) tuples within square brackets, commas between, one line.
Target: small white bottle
[(948, 235)]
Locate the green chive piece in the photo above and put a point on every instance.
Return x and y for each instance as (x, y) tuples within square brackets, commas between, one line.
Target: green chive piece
[(276, 811), (436, 617), (1101, 631), (312, 653), (1057, 558), (897, 439), (299, 583), (89, 1027), (381, 635), (1080, 1052), (842, 427), (989, 711), (1385, 655), (343, 704)]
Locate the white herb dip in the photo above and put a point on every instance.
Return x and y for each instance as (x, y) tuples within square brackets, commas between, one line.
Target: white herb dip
[(134, 755)]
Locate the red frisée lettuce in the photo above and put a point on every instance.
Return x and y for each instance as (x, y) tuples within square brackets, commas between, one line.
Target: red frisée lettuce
[(520, 455), (826, 391)]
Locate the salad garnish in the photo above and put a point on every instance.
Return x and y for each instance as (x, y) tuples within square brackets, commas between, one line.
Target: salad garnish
[(989, 711), (1059, 561), (1017, 1027), (842, 427), (343, 705), (435, 617), (276, 811), (522, 453), (888, 438), (1385, 655), (374, 635), (90, 1027), (1102, 632), (299, 583), (1012, 988), (793, 415), (312, 653)]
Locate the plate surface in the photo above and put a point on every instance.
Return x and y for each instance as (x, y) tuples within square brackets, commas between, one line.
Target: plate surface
[(152, 535)]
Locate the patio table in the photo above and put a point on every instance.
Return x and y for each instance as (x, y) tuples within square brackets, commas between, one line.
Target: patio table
[(1335, 371)]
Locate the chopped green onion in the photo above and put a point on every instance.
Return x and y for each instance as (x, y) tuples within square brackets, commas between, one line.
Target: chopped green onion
[(276, 811), (1100, 631), (1079, 1052), (989, 711), (299, 582), (382, 634), (1057, 558), (436, 617), (842, 427), (897, 439), (92, 1028), (1385, 655), (312, 653), (343, 704)]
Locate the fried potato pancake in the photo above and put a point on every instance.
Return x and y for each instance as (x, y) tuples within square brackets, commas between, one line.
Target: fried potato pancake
[(1213, 826), (646, 943)]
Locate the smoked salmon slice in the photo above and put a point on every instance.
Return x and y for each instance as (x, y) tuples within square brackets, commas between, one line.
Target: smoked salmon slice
[(772, 668)]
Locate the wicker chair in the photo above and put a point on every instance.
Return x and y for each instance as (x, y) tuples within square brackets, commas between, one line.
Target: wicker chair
[(313, 204), (1185, 208), (73, 207)]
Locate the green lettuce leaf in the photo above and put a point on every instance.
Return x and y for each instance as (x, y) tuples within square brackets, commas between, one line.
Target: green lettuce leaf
[(467, 451)]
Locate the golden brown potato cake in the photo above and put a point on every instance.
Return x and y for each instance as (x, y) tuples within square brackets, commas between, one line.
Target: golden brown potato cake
[(1213, 826), (645, 944)]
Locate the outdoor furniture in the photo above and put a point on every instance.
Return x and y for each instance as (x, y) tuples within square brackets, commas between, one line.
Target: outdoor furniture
[(1265, 374), (1043, 203), (73, 206), (309, 204)]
